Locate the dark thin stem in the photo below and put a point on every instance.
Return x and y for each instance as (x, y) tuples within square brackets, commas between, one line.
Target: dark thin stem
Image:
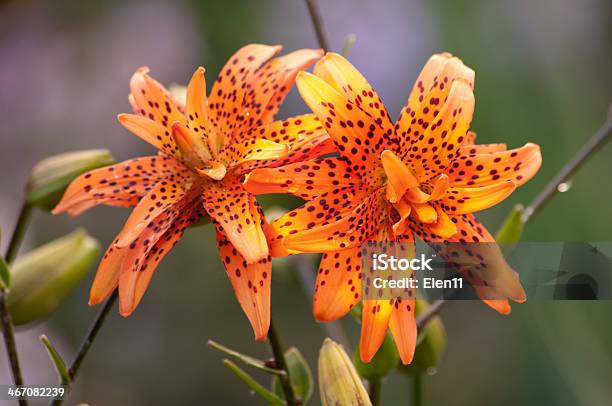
[(375, 391), (5, 318), (586, 152), (281, 363), (417, 389), (88, 340), (9, 341), (20, 228), (430, 313), (317, 22)]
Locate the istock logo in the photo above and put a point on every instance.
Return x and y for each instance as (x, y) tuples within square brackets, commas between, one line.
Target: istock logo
[(383, 262)]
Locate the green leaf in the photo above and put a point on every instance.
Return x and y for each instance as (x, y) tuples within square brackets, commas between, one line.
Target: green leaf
[(264, 393), (5, 275), (58, 362), (299, 374), (385, 360), (511, 230), (247, 359)]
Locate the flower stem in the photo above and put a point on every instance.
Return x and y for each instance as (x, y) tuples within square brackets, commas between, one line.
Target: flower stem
[(586, 152), (281, 363), (550, 190), (417, 389), (430, 313), (375, 391), (88, 341), (6, 322), (317, 22), (20, 228), (9, 342)]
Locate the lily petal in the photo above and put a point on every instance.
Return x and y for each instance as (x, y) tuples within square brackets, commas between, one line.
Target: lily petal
[(338, 285), (462, 200), (251, 283), (338, 72), (225, 110), (326, 208), (303, 179), (153, 100), (375, 318), (122, 184), (483, 169), (163, 196), (150, 131), (350, 230), (359, 138), (238, 214), (403, 328)]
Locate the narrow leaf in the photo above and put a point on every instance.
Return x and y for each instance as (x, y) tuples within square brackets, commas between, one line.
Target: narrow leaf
[(247, 359), (265, 394), (58, 362), (5, 275)]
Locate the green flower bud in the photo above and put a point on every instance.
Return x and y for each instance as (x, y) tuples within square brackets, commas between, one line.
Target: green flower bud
[(431, 344), (339, 382), (385, 360), (43, 277), (51, 176)]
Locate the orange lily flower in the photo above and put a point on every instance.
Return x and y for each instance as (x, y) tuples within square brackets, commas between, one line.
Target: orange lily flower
[(205, 148), (421, 175)]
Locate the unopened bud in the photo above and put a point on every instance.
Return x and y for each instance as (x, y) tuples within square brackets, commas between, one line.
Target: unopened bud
[(385, 360), (51, 176), (43, 277), (339, 382)]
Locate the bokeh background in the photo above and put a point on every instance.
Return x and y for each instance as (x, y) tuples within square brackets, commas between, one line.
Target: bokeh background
[(543, 75)]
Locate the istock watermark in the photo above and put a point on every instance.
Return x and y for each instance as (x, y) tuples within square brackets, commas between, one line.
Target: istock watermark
[(467, 271)]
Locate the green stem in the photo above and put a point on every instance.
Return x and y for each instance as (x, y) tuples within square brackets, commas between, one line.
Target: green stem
[(9, 342), (417, 390), (430, 313), (20, 229), (375, 391), (88, 341), (317, 22), (281, 363), (587, 151), (5, 317)]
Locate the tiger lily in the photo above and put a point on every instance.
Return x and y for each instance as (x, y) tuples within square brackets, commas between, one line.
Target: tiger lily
[(206, 146), (421, 176)]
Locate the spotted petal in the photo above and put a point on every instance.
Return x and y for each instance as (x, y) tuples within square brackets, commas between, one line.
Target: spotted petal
[(338, 285), (359, 138), (226, 111), (251, 283), (349, 230), (484, 169), (121, 184), (303, 179), (238, 215), (327, 208)]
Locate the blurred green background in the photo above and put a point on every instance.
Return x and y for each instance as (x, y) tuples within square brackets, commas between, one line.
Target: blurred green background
[(543, 75)]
